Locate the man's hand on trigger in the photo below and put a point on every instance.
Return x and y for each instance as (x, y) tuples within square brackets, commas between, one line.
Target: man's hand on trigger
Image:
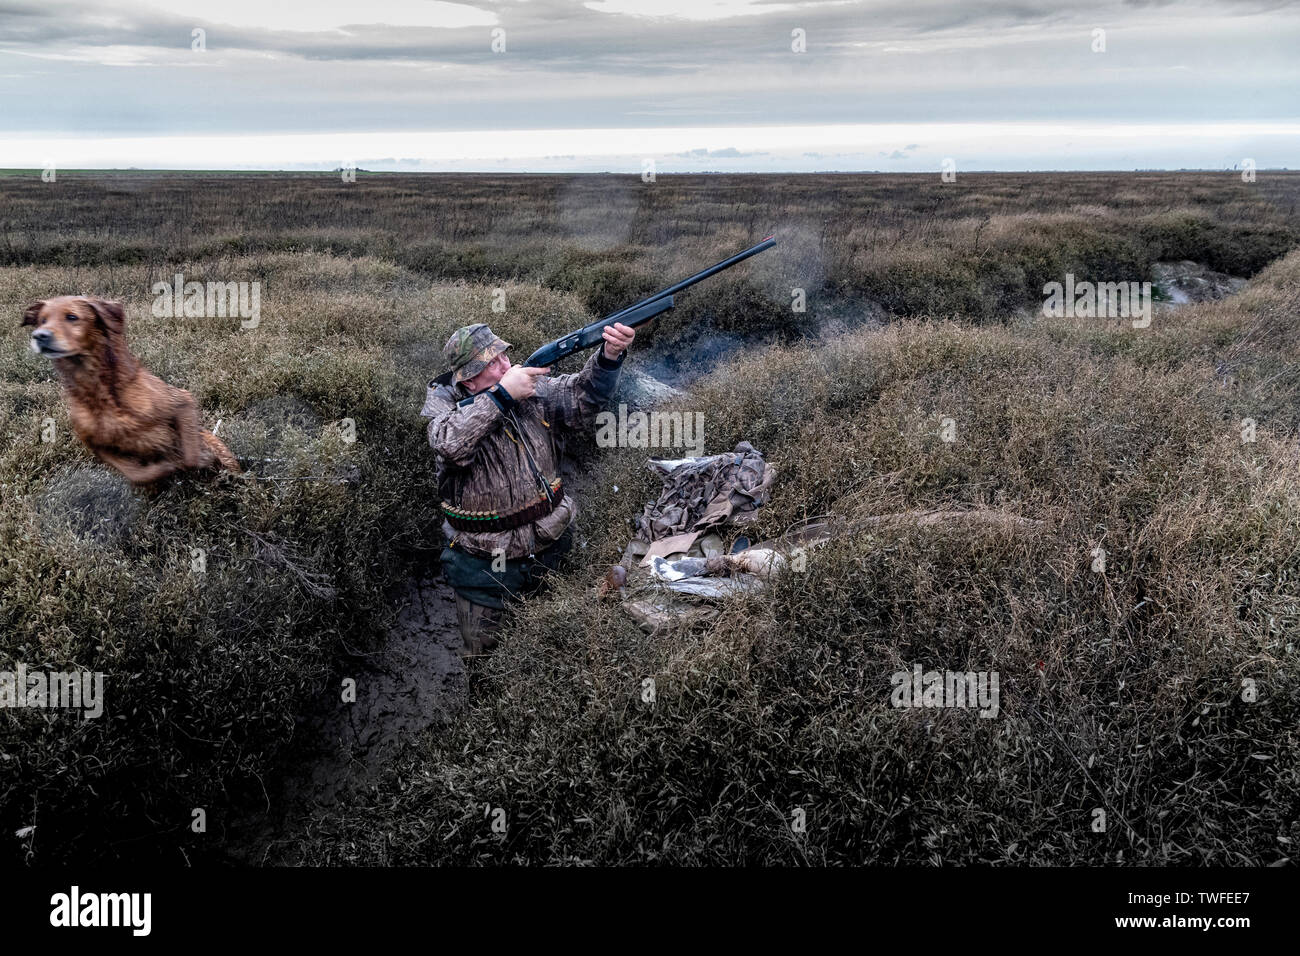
[(521, 382), (617, 338)]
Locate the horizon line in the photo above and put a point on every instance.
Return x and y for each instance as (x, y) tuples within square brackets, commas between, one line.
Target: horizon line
[(927, 171)]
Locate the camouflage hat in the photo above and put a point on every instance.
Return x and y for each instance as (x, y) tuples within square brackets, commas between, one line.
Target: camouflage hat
[(470, 350)]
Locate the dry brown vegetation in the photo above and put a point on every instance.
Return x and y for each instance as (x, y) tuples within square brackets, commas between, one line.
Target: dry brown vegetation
[(1120, 690)]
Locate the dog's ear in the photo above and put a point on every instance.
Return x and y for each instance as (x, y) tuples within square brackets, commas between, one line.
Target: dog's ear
[(109, 315), (33, 313)]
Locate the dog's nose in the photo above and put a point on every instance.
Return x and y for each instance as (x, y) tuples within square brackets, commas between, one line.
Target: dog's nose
[(42, 336)]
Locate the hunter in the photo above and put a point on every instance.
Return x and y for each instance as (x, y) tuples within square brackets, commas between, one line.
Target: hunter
[(495, 429)]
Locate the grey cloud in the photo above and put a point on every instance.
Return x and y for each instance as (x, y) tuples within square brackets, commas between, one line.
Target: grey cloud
[(568, 65), (554, 32), (728, 152)]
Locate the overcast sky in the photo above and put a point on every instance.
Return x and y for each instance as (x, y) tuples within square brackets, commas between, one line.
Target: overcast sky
[(690, 84)]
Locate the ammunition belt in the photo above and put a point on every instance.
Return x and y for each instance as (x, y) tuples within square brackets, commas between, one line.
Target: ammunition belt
[(481, 521)]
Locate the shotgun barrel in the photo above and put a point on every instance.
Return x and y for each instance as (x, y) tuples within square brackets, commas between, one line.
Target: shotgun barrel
[(634, 314)]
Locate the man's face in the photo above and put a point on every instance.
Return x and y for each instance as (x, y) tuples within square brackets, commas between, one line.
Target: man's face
[(489, 376)]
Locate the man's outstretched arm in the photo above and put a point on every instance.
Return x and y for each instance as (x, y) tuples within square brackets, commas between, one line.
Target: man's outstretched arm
[(574, 400)]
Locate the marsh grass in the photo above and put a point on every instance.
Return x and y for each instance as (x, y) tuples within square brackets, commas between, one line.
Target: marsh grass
[(1121, 691)]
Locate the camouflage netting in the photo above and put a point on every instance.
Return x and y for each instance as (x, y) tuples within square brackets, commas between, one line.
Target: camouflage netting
[(701, 493)]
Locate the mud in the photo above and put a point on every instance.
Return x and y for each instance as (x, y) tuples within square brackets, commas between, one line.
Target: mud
[(415, 682)]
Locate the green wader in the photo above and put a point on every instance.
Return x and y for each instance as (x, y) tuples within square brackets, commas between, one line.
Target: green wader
[(481, 590)]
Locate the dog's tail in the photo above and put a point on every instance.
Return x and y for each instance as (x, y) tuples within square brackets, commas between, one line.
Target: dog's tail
[(223, 454)]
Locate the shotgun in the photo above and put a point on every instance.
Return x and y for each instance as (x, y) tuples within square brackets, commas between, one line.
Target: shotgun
[(634, 314)]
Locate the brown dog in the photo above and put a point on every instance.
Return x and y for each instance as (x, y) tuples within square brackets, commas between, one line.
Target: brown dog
[(131, 419)]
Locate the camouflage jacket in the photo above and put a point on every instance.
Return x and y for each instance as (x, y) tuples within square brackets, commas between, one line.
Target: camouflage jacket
[(482, 465)]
